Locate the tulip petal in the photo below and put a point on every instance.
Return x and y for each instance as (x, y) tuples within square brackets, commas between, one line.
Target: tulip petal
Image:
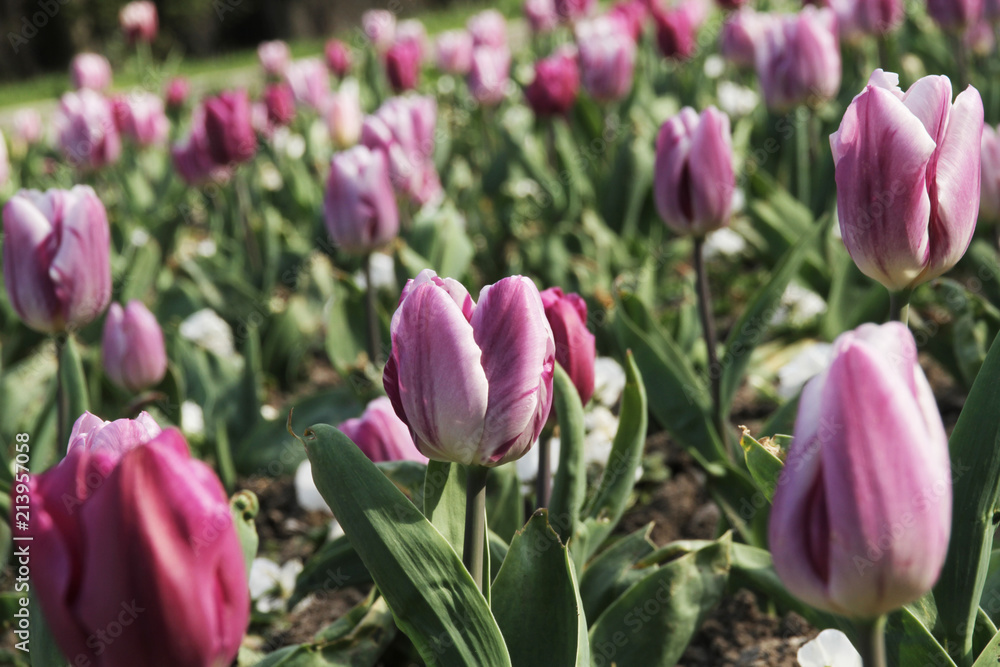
[(28, 247), (929, 99), (518, 358), (711, 165), (81, 268)]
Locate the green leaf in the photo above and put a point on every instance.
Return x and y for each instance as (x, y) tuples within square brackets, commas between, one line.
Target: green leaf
[(244, 507), (432, 596), (654, 620), (536, 601), (909, 640), (42, 644), (613, 571), (334, 566), (990, 657), (975, 469), (504, 505), (570, 485), (764, 466)]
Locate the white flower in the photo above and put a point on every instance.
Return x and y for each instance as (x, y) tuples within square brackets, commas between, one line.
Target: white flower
[(192, 419), (736, 100), (336, 530), (714, 66), (798, 306), (207, 329), (139, 237), (609, 381), (306, 493), (269, 412), (831, 648), (601, 426), (272, 584), (527, 465), (810, 361), (383, 272), (724, 242)]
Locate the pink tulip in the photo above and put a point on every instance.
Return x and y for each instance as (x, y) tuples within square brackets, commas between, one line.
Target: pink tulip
[(454, 52), (989, 206), (991, 11), (56, 257), (402, 65), (379, 26), (338, 57), (403, 129), (90, 70), (955, 14), (489, 75), (731, 5), (28, 126), (132, 348), (412, 30), (693, 176), (144, 120), (231, 137), (556, 84), (139, 21), (979, 38), (344, 116), (575, 349), (310, 82), (571, 11), (85, 126), (143, 540), (857, 18), (280, 103), (381, 435), (541, 15), (177, 92), (862, 512), (907, 170), (192, 158), (675, 32), (607, 58), (488, 28), (741, 34), (473, 382), (360, 208), (798, 61), (632, 14), (274, 57)]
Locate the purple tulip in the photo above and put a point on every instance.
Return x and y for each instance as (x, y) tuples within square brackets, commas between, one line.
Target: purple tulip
[(454, 51), (344, 116), (857, 18), (379, 25), (132, 347), (488, 28), (693, 175), (143, 540), (907, 170), (403, 128), (571, 11), (955, 14), (632, 14), (230, 134), (90, 70), (607, 58), (740, 35), (473, 382), (989, 206), (541, 15), (280, 103), (556, 84), (991, 11), (490, 74), (675, 32), (139, 21), (575, 346), (862, 512), (56, 257), (402, 65), (412, 30), (177, 92), (310, 82), (143, 119), (338, 57), (274, 57), (360, 208), (85, 126), (192, 158), (798, 60), (381, 435)]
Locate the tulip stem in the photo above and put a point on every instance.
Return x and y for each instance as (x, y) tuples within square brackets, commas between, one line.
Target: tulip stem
[(542, 481), (899, 306), (872, 642), (802, 141), (62, 397), (708, 330), (374, 335), (475, 522)]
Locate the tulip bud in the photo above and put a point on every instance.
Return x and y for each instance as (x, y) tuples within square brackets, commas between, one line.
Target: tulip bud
[(90, 70), (56, 253), (344, 117), (28, 126), (279, 103), (473, 382), (454, 51), (575, 350), (489, 74), (148, 542), (693, 175), (177, 92), (379, 26), (632, 15), (360, 208), (139, 21), (403, 129), (955, 14), (675, 33), (488, 28), (856, 18), (412, 30), (541, 15), (191, 156), (402, 65), (571, 11), (741, 34), (144, 120), (798, 60), (274, 57), (381, 435), (132, 347), (862, 512), (556, 84), (907, 171), (607, 58), (231, 137), (310, 82), (86, 129), (338, 57), (989, 206)]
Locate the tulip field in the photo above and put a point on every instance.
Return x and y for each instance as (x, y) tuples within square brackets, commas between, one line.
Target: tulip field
[(653, 332)]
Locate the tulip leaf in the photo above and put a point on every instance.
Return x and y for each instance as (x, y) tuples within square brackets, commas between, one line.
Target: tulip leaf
[(654, 620), (431, 595), (990, 656), (334, 566), (613, 571), (536, 601), (74, 384), (570, 485), (42, 643), (764, 466), (975, 471), (909, 641), (504, 506), (608, 504)]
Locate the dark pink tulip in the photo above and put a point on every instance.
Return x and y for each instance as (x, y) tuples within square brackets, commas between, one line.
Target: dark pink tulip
[(338, 57), (381, 435), (143, 539), (857, 18), (86, 129), (989, 206), (143, 119), (454, 51), (607, 58), (132, 347), (488, 28), (280, 103), (731, 5), (379, 26), (412, 30), (139, 21), (231, 137), (693, 177), (360, 207), (862, 512), (473, 382), (177, 92), (90, 70), (556, 84), (402, 65), (541, 15), (632, 14), (955, 14), (403, 129), (191, 156), (675, 33), (274, 57), (798, 61), (908, 169), (742, 32), (570, 11), (489, 75), (310, 82), (56, 257), (575, 350)]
